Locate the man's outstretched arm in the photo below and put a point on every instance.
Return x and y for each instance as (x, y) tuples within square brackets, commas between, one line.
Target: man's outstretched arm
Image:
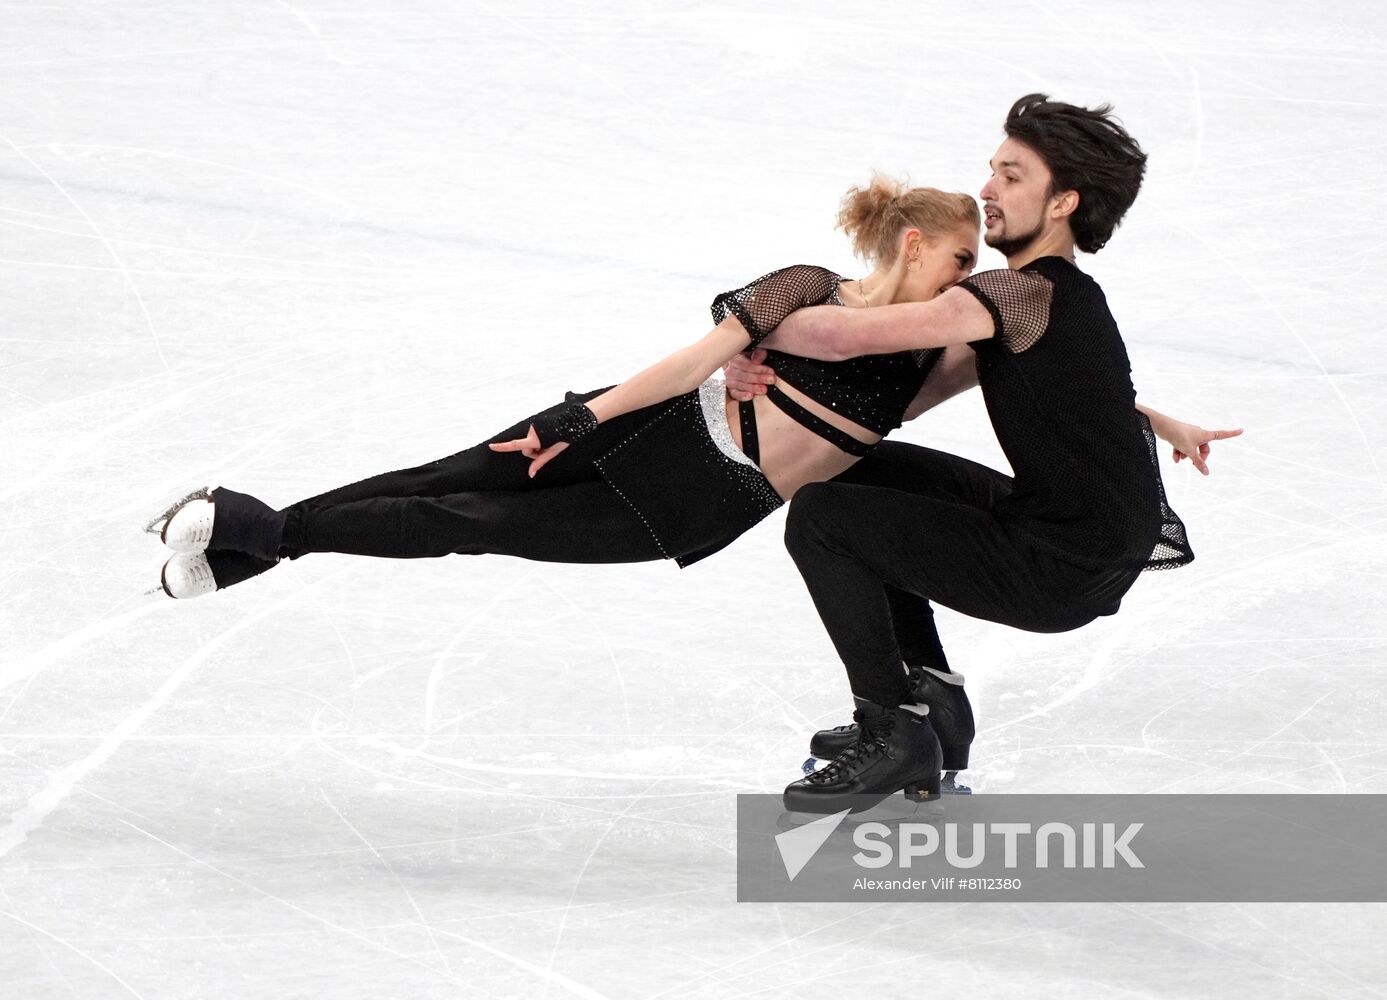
[(1188, 440), (832, 333)]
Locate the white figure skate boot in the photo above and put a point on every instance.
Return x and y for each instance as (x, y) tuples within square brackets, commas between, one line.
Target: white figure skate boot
[(188, 574), (158, 525)]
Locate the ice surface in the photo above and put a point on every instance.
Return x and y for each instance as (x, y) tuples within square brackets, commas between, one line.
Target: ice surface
[(283, 246)]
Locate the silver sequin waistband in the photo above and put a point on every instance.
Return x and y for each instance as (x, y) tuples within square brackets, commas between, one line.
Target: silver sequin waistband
[(712, 395)]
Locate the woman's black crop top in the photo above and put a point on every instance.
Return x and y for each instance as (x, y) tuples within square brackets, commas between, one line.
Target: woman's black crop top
[(872, 391)]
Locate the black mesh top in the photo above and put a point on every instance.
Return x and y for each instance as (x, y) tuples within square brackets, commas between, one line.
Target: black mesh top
[(872, 391), (1058, 388)]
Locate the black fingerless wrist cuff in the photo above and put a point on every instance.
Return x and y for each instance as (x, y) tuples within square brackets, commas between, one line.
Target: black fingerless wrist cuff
[(572, 423)]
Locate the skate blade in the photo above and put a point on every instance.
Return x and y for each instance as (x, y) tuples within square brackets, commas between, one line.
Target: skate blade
[(948, 783), (155, 526), (893, 808)]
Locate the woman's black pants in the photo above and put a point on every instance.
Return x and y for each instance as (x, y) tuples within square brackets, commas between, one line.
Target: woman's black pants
[(481, 501)]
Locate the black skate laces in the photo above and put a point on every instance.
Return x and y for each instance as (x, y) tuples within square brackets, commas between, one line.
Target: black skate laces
[(872, 743)]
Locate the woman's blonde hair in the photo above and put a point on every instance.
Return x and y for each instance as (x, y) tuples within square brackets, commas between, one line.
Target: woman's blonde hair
[(874, 216)]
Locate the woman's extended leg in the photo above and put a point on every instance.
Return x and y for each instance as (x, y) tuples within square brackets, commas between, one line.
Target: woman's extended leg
[(585, 522), (480, 501), (236, 554), (480, 468)]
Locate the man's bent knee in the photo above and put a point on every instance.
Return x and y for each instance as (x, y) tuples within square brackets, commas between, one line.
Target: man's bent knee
[(812, 514)]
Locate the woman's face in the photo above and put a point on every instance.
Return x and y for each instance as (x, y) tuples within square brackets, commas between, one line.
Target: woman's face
[(944, 261)]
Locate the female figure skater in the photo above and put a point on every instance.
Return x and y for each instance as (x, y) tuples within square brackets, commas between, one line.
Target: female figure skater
[(662, 466)]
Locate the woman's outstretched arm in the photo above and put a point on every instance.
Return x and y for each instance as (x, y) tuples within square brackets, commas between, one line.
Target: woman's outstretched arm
[(682, 371), (685, 369)]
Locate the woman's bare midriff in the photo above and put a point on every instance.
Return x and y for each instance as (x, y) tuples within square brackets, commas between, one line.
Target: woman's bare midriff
[(791, 454)]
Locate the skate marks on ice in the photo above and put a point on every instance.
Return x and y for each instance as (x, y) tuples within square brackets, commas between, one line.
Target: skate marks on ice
[(434, 931), (452, 686), (556, 978), (61, 783), (1229, 595), (155, 337), (86, 956)]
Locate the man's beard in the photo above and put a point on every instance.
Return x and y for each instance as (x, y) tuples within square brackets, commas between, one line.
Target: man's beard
[(1010, 246)]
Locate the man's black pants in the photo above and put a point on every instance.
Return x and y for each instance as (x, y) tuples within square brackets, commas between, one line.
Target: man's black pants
[(910, 525)]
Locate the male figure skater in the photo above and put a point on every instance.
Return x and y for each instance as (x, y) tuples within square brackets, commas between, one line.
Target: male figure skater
[(1047, 550)]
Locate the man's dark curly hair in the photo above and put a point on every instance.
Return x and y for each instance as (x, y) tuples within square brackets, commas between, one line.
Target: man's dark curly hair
[(1088, 151)]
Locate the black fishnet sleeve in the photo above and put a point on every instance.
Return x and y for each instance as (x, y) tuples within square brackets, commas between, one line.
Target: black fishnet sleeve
[(1173, 547), (761, 305), (1019, 302)]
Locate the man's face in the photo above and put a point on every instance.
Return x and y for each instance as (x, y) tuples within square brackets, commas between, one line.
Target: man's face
[(1015, 198)]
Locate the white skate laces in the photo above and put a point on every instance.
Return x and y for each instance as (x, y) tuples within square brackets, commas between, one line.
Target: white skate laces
[(190, 527), (188, 574)]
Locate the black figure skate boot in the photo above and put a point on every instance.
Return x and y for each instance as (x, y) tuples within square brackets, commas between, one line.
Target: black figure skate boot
[(950, 714), (897, 750)]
